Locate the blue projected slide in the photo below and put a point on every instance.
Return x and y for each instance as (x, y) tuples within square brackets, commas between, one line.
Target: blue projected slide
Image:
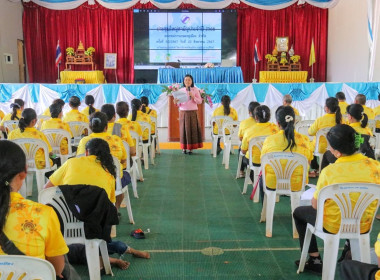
[(185, 37)]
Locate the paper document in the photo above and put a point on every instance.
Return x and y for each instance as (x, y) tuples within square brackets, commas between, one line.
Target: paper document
[(181, 96), (306, 197)]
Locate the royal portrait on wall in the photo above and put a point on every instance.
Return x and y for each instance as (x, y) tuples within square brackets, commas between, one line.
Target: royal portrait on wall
[(282, 44), (110, 60)]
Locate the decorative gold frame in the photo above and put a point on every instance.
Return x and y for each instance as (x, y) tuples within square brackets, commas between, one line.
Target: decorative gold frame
[(282, 44)]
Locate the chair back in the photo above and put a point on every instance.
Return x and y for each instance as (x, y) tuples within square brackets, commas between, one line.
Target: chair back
[(298, 119), (10, 125), (233, 128), (73, 230), (41, 119), (372, 126), (128, 151), (55, 137), (303, 126), (25, 267), (320, 134), (30, 146), (116, 162), (145, 126), (377, 120), (218, 121), (284, 174), (255, 142), (153, 121), (78, 129), (351, 212)]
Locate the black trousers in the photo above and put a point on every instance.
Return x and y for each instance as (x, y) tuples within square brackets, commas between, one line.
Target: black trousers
[(304, 215), (327, 158), (354, 270)]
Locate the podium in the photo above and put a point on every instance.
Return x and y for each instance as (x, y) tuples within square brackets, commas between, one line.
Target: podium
[(173, 122)]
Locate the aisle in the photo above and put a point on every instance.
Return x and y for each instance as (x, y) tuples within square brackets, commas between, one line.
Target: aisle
[(191, 203)]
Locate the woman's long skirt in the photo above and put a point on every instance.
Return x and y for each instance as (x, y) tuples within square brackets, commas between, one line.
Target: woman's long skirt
[(190, 130)]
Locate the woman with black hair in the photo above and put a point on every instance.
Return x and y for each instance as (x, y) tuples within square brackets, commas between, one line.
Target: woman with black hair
[(122, 109), (138, 116), (286, 140), (89, 100), (27, 130), (17, 107), (377, 113), (262, 127), (59, 102), (332, 117), (248, 123), (74, 115), (350, 166), (190, 135), (33, 228), (149, 111), (224, 110)]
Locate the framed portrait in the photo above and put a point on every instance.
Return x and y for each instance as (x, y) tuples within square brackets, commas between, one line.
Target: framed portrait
[(110, 60), (282, 44)]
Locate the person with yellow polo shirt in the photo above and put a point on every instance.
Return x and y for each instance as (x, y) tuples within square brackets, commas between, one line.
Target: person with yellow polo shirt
[(89, 100), (350, 166), (60, 102), (287, 101), (138, 116), (342, 102), (262, 128), (56, 123), (17, 107), (74, 115), (224, 110), (361, 99), (122, 109), (32, 227), (248, 123), (286, 140), (27, 130), (149, 111), (355, 270), (332, 117), (377, 113)]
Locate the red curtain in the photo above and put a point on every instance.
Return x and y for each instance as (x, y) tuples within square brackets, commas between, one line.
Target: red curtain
[(299, 23), (108, 31)]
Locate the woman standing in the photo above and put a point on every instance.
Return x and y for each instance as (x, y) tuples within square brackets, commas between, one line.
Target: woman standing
[(189, 127)]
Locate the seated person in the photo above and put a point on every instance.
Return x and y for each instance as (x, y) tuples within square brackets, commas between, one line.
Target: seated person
[(27, 130), (122, 109), (138, 116), (262, 127), (33, 228), (287, 101), (361, 99), (224, 110), (248, 123), (344, 145), (56, 123), (377, 113), (89, 100), (150, 112), (74, 115), (17, 107), (60, 102), (286, 140), (342, 102)]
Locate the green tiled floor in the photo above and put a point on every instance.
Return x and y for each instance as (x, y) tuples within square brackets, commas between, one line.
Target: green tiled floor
[(190, 203)]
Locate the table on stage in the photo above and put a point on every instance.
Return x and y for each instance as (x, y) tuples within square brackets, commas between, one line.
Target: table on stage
[(91, 77), (283, 77), (201, 75)]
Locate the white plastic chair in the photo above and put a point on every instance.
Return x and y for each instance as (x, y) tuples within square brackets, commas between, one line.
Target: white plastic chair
[(230, 140), (55, 137), (155, 140), (258, 143), (372, 126), (320, 134), (41, 119), (219, 122), (78, 129), (132, 170), (121, 190), (146, 146), (298, 119), (283, 184), (25, 267), (10, 125), (302, 128), (73, 232), (349, 227), (136, 159), (30, 146)]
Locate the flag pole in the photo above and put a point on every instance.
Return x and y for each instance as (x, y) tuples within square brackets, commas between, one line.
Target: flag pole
[(58, 79), (254, 76), (312, 74)]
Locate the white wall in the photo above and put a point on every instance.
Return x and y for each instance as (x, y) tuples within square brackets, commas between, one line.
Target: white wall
[(10, 31)]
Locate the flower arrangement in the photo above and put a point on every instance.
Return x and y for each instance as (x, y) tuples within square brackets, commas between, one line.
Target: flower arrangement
[(295, 58), (170, 89), (271, 58), (206, 97), (283, 59), (89, 51), (70, 51), (209, 65)]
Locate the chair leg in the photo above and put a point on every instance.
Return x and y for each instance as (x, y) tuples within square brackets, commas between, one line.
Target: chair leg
[(295, 198), (226, 155), (256, 197), (113, 230), (305, 250), (214, 145), (271, 198), (264, 209), (134, 181), (152, 147), (330, 255), (239, 166), (92, 253), (360, 249), (129, 207), (151, 150), (29, 184), (105, 257), (145, 155), (40, 178), (22, 191), (247, 180)]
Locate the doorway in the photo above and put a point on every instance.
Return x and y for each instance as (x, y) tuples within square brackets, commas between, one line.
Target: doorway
[(21, 60)]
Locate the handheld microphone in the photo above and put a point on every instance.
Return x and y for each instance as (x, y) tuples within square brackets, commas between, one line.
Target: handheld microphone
[(188, 89)]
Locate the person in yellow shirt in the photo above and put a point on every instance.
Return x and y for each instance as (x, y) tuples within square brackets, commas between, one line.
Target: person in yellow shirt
[(262, 128), (333, 116), (138, 116), (286, 140), (377, 113), (287, 101), (122, 109), (33, 227), (361, 99), (342, 102), (355, 270), (150, 112), (60, 102), (1, 115), (224, 110), (350, 166), (17, 107), (56, 123), (123, 131), (74, 115), (27, 130), (248, 123), (89, 100)]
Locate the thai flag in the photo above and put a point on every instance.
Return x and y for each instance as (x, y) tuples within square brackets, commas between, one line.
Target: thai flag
[(256, 53), (58, 55)]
